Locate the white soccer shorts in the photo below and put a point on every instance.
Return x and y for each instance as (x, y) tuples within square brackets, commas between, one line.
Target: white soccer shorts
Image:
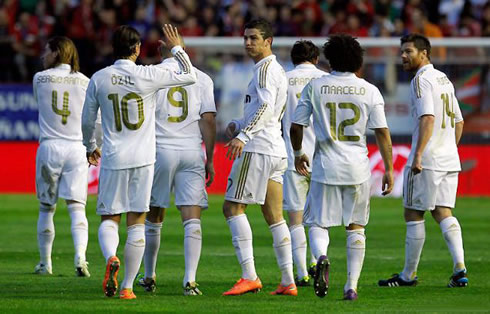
[(61, 171), (295, 190), (183, 172), (249, 175), (124, 190), (429, 188), (334, 205)]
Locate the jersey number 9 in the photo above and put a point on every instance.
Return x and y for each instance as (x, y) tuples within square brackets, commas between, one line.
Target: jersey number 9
[(184, 103), (125, 112)]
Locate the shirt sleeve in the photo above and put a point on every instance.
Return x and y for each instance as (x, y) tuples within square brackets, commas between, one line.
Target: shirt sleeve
[(458, 116), (422, 96), (266, 97), (304, 108), (34, 87), (207, 95), (164, 76), (377, 117), (89, 117)]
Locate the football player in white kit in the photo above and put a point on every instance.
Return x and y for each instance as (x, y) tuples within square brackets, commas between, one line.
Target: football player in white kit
[(430, 178), (260, 152), (343, 107), (185, 117), (125, 93), (304, 56), (61, 166)]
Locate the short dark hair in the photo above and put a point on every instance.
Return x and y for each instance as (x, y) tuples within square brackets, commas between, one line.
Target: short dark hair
[(263, 26), (124, 41), (67, 52), (344, 53), (304, 51), (419, 41)]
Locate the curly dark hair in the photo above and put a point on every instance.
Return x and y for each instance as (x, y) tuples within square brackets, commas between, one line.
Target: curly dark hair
[(262, 25), (419, 41), (304, 51), (344, 53)]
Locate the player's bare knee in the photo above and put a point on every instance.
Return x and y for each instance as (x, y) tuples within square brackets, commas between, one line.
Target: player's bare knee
[(441, 213), (156, 214), (233, 209), (354, 227), (413, 215)]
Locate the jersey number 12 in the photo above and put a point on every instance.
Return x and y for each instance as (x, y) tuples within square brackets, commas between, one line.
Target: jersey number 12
[(344, 123)]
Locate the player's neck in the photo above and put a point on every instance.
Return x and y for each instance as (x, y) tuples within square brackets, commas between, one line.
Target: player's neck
[(422, 64), (262, 56)]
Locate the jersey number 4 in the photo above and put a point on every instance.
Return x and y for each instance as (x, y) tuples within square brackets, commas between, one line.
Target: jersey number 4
[(125, 112), (64, 112), (344, 123)]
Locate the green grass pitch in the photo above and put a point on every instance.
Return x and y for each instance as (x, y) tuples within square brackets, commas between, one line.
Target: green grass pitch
[(23, 292)]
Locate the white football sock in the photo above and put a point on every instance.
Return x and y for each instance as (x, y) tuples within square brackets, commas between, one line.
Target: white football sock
[(108, 238), (298, 244), (192, 248), (282, 248), (133, 254), (414, 242), (451, 231), (319, 241), (241, 236), (79, 230), (153, 238), (45, 233), (356, 247)]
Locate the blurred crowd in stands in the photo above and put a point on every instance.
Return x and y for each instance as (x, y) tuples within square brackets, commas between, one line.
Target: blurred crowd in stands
[(25, 25)]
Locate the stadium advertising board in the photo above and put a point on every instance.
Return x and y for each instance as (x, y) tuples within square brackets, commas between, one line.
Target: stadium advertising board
[(18, 113), (18, 169)]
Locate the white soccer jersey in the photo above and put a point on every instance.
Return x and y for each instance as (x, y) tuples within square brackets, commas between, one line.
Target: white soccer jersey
[(179, 110), (260, 127), (433, 94), (301, 75), (60, 96), (126, 94), (343, 107)]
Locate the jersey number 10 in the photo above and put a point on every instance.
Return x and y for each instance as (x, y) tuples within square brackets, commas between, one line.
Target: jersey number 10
[(125, 112)]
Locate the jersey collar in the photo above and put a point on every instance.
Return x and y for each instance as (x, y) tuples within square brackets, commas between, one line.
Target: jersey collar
[(425, 67), (258, 64), (63, 66), (169, 60), (343, 74), (124, 62), (305, 66)]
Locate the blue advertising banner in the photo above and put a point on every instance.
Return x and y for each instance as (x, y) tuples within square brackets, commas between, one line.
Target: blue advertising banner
[(18, 113)]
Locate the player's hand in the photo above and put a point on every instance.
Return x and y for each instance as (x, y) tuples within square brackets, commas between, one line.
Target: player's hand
[(230, 131), (172, 37), (387, 183), (302, 163), (235, 148), (209, 173), (417, 164), (94, 157)]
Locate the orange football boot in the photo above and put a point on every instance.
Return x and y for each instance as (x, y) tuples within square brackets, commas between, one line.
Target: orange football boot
[(127, 294), (110, 279), (286, 290), (245, 285)]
